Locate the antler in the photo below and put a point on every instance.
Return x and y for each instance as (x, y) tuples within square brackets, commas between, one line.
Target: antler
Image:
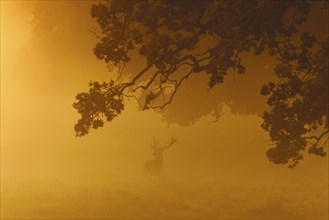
[(155, 142), (173, 140)]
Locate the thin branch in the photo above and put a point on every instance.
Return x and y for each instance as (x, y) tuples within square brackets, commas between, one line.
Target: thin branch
[(134, 97), (293, 19), (317, 138), (179, 49), (212, 122), (96, 35), (133, 81), (203, 53), (217, 115), (148, 84), (174, 92), (325, 142)]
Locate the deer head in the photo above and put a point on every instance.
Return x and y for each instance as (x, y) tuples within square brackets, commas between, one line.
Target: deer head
[(158, 149)]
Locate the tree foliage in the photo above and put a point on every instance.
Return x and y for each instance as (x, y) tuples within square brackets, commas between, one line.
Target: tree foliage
[(299, 102), (180, 38)]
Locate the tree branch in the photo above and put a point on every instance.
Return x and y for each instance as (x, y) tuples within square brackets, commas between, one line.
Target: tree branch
[(161, 107), (318, 138), (95, 34), (148, 84)]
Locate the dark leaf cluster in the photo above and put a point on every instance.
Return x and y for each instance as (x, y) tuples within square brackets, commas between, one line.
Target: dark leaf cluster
[(299, 102), (103, 101)]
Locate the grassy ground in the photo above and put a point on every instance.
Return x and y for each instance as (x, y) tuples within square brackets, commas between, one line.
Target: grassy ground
[(164, 199)]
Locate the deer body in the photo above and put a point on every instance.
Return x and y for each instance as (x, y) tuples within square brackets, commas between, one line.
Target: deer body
[(154, 167)]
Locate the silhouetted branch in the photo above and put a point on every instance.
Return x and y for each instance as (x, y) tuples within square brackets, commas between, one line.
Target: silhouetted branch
[(217, 115), (177, 85), (149, 83), (95, 34), (318, 138)]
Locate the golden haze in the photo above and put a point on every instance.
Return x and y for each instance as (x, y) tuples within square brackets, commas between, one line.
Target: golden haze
[(218, 170)]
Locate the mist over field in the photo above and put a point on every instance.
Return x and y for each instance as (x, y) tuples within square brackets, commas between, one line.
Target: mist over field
[(217, 169)]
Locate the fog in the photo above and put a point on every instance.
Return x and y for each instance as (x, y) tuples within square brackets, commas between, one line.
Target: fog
[(215, 170)]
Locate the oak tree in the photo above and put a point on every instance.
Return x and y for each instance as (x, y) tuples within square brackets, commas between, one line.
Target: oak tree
[(175, 39)]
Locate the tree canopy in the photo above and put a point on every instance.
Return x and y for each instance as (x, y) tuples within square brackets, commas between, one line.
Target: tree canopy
[(176, 39)]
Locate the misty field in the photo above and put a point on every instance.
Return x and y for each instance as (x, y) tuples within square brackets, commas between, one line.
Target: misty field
[(161, 198)]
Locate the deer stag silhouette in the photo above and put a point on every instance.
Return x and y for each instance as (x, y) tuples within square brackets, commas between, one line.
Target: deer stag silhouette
[(154, 166)]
